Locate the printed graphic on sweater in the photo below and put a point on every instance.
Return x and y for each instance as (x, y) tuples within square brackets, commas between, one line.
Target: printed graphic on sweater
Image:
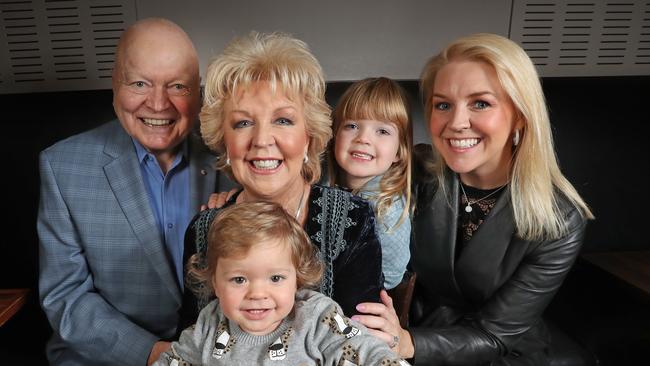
[(224, 341), (340, 325), (350, 356), (278, 349)]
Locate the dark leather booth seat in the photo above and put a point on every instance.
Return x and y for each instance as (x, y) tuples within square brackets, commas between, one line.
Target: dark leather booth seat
[(565, 351)]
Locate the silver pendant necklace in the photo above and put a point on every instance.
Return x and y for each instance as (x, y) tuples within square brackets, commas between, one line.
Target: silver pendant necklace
[(468, 208)]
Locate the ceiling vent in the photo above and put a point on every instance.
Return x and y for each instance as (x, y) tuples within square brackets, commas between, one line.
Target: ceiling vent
[(56, 45), (584, 38)]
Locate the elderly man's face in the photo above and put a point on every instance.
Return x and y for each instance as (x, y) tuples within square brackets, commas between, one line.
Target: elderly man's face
[(156, 94)]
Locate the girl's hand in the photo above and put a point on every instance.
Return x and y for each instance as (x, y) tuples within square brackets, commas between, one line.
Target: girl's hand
[(217, 200), (382, 322)]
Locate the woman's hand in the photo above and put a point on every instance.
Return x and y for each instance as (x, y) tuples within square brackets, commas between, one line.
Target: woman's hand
[(382, 322), (158, 348), (219, 199)]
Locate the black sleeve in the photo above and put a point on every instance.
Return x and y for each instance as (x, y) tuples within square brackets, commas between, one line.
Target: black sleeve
[(188, 312), (195, 240), (358, 276)]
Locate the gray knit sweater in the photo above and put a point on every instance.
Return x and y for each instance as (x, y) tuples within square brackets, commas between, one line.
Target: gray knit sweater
[(316, 333)]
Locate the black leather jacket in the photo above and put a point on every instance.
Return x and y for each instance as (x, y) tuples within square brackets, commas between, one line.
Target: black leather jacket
[(486, 307)]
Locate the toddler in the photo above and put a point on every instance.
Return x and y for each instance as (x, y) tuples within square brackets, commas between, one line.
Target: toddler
[(260, 264), (371, 155)]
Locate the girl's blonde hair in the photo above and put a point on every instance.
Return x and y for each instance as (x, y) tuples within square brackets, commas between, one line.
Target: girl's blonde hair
[(535, 174), (286, 64), (239, 228), (379, 99)]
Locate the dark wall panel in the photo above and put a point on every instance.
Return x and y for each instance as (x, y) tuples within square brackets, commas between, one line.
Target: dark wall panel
[(598, 127)]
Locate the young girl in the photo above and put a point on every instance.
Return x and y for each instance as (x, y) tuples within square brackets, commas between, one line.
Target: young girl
[(371, 154), (259, 264)]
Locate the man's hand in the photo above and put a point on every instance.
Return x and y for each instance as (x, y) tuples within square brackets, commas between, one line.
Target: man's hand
[(158, 348)]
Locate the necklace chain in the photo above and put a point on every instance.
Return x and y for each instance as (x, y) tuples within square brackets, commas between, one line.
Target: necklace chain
[(468, 208), (300, 204)]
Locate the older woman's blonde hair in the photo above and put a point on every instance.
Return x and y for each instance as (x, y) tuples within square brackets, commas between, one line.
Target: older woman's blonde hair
[(287, 65), (238, 229), (535, 174), (379, 99)]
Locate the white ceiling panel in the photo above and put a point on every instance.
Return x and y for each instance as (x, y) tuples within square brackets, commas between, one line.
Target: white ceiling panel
[(60, 44), (584, 38)]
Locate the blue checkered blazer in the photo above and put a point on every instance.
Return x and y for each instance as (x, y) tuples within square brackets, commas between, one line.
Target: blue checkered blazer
[(106, 283)]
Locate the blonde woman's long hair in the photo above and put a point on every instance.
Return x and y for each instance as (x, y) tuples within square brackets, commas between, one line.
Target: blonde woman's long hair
[(287, 65), (380, 99), (535, 175)]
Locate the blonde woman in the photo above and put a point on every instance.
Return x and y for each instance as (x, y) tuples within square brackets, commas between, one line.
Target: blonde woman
[(497, 227), (265, 114)]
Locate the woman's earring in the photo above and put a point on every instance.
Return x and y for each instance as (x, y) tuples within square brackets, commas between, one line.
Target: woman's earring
[(306, 159), (227, 160), (515, 138)]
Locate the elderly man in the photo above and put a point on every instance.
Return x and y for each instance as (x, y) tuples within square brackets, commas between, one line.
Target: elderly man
[(115, 202)]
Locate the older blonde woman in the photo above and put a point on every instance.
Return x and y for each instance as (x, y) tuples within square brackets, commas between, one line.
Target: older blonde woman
[(498, 227), (265, 114)]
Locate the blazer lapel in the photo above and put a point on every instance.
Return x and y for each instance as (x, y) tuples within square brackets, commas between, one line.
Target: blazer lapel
[(123, 174), (437, 225), (481, 263), (203, 176)]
